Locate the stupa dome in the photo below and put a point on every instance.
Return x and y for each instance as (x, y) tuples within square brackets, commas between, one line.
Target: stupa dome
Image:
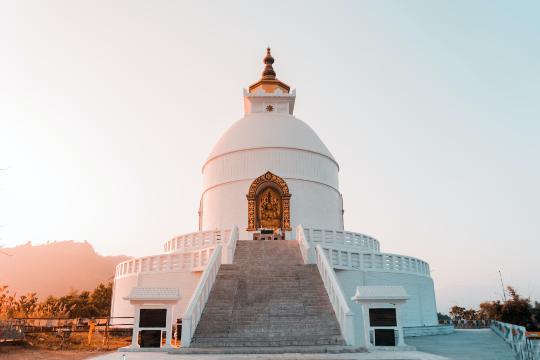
[(269, 130)]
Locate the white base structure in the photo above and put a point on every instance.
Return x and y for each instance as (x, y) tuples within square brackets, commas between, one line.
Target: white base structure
[(270, 172)]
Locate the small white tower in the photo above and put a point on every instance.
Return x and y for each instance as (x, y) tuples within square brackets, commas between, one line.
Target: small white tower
[(269, 94)]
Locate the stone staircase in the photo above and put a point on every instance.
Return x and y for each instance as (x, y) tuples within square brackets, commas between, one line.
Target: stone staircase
[(267, 298)]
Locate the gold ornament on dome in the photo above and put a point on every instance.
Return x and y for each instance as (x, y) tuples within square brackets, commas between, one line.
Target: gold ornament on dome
[(269, 203)]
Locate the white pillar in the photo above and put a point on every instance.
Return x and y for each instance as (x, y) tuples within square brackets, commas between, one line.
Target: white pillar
[(401, 340), (168, 324), (365, 321), (135, 335)]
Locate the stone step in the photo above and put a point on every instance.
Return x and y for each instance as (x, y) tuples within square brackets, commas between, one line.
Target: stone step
[(332, 349), (267, 298)]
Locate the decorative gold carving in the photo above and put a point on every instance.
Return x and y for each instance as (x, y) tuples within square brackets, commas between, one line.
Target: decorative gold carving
[(269, 209), (269, 203)]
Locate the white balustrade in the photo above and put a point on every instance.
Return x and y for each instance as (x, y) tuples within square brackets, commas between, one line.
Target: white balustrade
[(348, 259), (192, 261), (198, 300), (344, 315), (197, 240), (338, 238), (307, 251), (516, 337), (193, 255), (360, 254), (230, 247)]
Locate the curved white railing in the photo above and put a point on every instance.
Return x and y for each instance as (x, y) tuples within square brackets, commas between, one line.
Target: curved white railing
[(344, 315), (197, 240), (516, 337), (347, 259), (198, 300), (193, 261), (338, 238)]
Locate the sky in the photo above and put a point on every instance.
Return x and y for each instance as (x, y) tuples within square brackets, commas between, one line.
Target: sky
[(108, 110)]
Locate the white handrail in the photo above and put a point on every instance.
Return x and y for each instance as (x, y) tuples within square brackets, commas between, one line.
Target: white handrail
[(346, 239), (198, 300), (195, 260), (231, 246), (196, 240), (349, 259), (344, 315), (516, 337), (307, 251)]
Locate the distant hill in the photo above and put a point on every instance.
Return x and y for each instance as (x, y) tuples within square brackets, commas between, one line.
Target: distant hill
[(55, 268)]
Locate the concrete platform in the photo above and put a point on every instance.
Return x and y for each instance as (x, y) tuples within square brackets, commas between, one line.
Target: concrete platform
[(330, 349), (480, 344), (461, 345), (377, 355)]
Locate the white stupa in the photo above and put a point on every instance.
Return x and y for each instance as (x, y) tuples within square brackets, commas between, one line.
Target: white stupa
[(271, 177)]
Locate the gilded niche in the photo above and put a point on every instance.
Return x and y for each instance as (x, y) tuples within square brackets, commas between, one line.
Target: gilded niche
[(269, 209), (268, 203)]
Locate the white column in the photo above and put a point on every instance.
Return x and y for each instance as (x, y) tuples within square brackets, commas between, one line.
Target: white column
[(168, 325), (401, 340), (135, 335), (365, 318)]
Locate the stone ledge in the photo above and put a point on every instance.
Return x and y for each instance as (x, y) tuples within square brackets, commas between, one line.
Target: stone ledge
[(271, 350), (428, 330)]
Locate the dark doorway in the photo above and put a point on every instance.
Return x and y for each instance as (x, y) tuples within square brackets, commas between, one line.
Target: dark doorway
[(385, 337), (150, 338)]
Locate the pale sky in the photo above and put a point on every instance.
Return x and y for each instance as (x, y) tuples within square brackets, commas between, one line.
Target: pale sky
[(109, 108)]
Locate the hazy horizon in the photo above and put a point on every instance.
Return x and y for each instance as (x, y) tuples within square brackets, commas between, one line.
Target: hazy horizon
[(108, 110)]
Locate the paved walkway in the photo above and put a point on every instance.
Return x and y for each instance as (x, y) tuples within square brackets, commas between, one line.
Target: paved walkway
[(461, 345), (379, 355), (482, 344)]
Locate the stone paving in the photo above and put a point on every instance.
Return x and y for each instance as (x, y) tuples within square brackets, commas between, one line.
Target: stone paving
[(378, 355), (482, 344), (461, 345)]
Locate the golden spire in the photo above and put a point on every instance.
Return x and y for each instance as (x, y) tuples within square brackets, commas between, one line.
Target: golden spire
[(269, 82), (268, 72)]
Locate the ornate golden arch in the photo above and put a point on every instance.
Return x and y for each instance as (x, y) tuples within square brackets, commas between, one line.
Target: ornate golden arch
[(260, 183)]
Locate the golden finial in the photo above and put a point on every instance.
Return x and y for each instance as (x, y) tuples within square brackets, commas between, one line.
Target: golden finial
[(268, 72), (269, 82)]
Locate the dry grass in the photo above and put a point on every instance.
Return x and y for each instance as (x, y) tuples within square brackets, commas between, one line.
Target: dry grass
[(47, 346)]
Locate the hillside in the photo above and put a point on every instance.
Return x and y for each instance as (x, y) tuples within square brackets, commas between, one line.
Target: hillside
[(55, 268)]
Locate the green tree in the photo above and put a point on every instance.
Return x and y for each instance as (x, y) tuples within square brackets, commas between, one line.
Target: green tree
[(490, 310), (516, 310), (27, 304), (443, 317), (457, 312), (101, 299), (469, 314)]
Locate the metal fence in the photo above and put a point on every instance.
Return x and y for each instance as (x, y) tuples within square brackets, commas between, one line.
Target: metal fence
[(16, 329)]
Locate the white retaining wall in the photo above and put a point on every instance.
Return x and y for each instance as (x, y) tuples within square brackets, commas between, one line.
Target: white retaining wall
[(428, 330), (185, 281), (419, 310)]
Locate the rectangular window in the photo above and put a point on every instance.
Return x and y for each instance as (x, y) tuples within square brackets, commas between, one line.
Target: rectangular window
[(153, 318), (382, 317)]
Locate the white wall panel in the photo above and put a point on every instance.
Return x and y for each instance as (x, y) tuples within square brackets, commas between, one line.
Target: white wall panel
[(419, 310), (312, 204), (286, 163)]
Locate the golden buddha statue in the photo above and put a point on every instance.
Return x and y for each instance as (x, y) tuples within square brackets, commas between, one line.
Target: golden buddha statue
[(269, 209)]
